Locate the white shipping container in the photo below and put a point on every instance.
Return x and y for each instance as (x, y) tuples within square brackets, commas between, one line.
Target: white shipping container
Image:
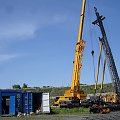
[(45, 103)]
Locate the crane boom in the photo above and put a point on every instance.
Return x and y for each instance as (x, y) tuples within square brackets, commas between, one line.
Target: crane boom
[(108, 54), (75, 87), (103, 73), (98, 66), (81, 21), (78, 54)]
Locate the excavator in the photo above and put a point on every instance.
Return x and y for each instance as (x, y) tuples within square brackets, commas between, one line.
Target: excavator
[(74, 92)]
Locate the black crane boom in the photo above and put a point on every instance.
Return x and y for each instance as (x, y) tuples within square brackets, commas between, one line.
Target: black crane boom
[(108, 54)]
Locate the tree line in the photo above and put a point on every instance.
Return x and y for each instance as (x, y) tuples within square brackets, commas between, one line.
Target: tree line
[(59, 91)]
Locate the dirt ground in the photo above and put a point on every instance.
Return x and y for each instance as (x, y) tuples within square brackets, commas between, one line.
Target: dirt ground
[(109, 116)]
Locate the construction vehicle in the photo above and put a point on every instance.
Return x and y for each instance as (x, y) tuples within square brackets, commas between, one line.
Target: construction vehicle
[(69, 103), (112, 101), (74, 92), (99, 106)]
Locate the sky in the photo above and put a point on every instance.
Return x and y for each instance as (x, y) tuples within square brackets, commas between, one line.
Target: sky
[(38, 38)]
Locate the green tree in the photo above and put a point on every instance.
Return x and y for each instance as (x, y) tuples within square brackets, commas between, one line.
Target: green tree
[(16, 86), (24, 85)]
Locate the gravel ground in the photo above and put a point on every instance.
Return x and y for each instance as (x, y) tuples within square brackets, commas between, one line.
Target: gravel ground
[(109, 116)]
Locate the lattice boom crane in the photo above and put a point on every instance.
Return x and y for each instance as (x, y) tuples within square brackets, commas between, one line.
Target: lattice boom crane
[(108, 54)]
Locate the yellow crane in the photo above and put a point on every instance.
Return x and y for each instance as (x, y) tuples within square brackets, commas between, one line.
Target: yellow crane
[(74, 92)]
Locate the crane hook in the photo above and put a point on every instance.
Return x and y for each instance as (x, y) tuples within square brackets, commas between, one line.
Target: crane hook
[(92, 52)]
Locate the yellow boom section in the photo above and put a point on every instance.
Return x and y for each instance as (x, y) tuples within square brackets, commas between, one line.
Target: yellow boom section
[(97, 74), (103, 73), (81, 21)]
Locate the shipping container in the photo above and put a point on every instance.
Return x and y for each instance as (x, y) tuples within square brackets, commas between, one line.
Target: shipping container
[(10, 102), (36, 102), (14, 101)]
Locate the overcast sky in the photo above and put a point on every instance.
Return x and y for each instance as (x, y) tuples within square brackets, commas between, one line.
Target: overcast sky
[(38, 38)]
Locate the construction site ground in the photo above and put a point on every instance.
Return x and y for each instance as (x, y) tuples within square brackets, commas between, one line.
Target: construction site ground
[(109, 116)]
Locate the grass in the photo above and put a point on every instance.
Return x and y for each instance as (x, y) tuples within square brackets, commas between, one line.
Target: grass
[(70, 111), (57, 114)]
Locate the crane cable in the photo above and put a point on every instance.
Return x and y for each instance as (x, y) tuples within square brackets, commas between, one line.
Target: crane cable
[(91, 37)]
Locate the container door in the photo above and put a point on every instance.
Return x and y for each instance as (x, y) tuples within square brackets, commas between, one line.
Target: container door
[(30, 105), (25, 101), (12, 105), (45, 103)]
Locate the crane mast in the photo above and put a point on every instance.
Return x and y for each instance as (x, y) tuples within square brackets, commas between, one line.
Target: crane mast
[(108, 54)]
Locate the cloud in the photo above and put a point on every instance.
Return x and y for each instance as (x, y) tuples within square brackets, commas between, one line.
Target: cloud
[(59, 18), (6, 57), (17, 30), (23, 25), (21, 20)]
